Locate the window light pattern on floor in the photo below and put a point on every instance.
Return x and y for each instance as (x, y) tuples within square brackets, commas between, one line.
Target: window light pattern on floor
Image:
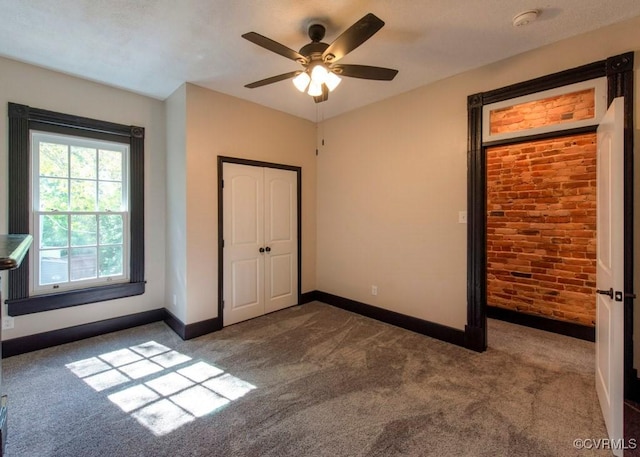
[(159, 387)]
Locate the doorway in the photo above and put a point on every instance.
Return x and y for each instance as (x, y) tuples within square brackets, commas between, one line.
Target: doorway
[(618, 73), (259, 238)]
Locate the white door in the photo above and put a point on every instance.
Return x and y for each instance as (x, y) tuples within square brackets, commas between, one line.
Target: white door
[(281, 239), (610, 270), (260, 254)]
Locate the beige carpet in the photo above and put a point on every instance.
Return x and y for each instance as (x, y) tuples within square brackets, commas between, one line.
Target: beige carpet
[(311, 380)]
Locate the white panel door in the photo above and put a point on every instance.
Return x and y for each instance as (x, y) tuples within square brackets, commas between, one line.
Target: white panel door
[(260, 254), (610, 270), (243, 235), (281, 239)]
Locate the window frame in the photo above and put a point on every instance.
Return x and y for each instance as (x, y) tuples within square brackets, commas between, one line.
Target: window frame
[(37, 137), (22, 120)]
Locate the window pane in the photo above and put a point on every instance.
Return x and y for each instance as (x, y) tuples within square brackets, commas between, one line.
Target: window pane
[(111, 229), (84, 230), (83, 162), (110, 260), (110, 165), (109, 196), (54, 160), (54, 194), (83, 263), (53, 231), (83, 195), (53, 266)]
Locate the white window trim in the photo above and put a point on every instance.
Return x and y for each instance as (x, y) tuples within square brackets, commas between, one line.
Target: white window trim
[(600, 98), (34, 287)]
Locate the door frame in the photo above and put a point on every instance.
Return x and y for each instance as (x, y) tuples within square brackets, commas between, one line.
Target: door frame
[(254, 163), (619, 73)]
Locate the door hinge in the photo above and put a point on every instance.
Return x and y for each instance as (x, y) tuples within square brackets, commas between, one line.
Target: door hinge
[(222, 304), (223, 183), (222, 243)]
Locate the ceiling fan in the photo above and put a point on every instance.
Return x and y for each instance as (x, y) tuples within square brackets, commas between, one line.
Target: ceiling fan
[(321, 73)]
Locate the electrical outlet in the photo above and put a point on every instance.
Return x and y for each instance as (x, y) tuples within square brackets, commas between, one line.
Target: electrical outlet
[(7, 322), (374, 290), (462, 217), (174, 300)]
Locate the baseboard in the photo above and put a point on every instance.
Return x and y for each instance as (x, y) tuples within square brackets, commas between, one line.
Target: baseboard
[(308, 297), (438, 331), (581, 332), (634, 390), (24, 344), (189, 331)]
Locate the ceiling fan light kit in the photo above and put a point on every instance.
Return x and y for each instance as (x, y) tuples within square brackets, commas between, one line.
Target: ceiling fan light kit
[(320, 73)]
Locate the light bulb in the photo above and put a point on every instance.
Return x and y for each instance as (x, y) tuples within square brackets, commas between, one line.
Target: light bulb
[(319, 74), (332, 80), (315, 89), (301, 81)]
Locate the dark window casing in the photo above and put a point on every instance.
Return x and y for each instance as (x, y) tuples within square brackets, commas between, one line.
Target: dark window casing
[(23, 119)]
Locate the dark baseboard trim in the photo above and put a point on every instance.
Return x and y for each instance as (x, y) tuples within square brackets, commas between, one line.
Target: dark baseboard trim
[(308, 297), (189, 331), (438, 331), (24, 344), (581, 332), (634, 390)]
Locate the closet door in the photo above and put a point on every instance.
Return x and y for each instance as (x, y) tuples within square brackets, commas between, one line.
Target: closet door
[(281, 239), (243, 229), (260, 254)]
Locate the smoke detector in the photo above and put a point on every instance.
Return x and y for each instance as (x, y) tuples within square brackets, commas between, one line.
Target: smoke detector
[(525, 18)]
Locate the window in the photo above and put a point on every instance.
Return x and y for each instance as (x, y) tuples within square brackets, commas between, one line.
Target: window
[(80, 212), (77, 185)]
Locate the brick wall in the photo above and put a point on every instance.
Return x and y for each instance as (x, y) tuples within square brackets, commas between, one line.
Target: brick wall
[(541, 223), (574, 106)]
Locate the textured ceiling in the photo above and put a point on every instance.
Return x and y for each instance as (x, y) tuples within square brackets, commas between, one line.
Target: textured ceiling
[(153, 46)]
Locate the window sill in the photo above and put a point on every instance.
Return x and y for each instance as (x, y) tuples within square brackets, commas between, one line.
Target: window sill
[(48, 302)]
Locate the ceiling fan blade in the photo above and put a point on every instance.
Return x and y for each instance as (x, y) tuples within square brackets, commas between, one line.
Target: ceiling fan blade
[(273, 79), (274, 46), (365, 72), (353, 37), (324, 97)]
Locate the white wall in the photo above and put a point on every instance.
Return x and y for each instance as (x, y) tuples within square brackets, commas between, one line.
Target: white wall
[(40, 88), (392, 177), (220, 125)]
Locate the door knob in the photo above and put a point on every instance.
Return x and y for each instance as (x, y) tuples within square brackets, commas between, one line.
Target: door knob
[(261, 250), (605, 292), (268, 249)]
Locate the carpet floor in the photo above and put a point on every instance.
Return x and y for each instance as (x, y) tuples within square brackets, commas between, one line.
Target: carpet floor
[(311, 380)]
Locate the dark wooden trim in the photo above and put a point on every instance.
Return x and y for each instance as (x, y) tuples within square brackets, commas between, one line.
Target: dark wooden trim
[(581, 332), (189, 331), (19, 200), (175, 324), (22, 119), (542, 136), (475, 329), (634, 386), (44, 340), (254, 163), (620, 84), (619, 72), (48, 302), (438, 331), (308, 297)]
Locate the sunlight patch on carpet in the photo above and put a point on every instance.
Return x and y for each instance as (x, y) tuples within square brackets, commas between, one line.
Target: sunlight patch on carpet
[(161, 388)]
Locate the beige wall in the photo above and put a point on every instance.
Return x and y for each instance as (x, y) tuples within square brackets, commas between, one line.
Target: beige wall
[(33, 86), (176, 224), (392, 177), (220, 125)]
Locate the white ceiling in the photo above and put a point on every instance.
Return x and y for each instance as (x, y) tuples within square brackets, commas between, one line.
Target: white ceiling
[(153, 46)]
